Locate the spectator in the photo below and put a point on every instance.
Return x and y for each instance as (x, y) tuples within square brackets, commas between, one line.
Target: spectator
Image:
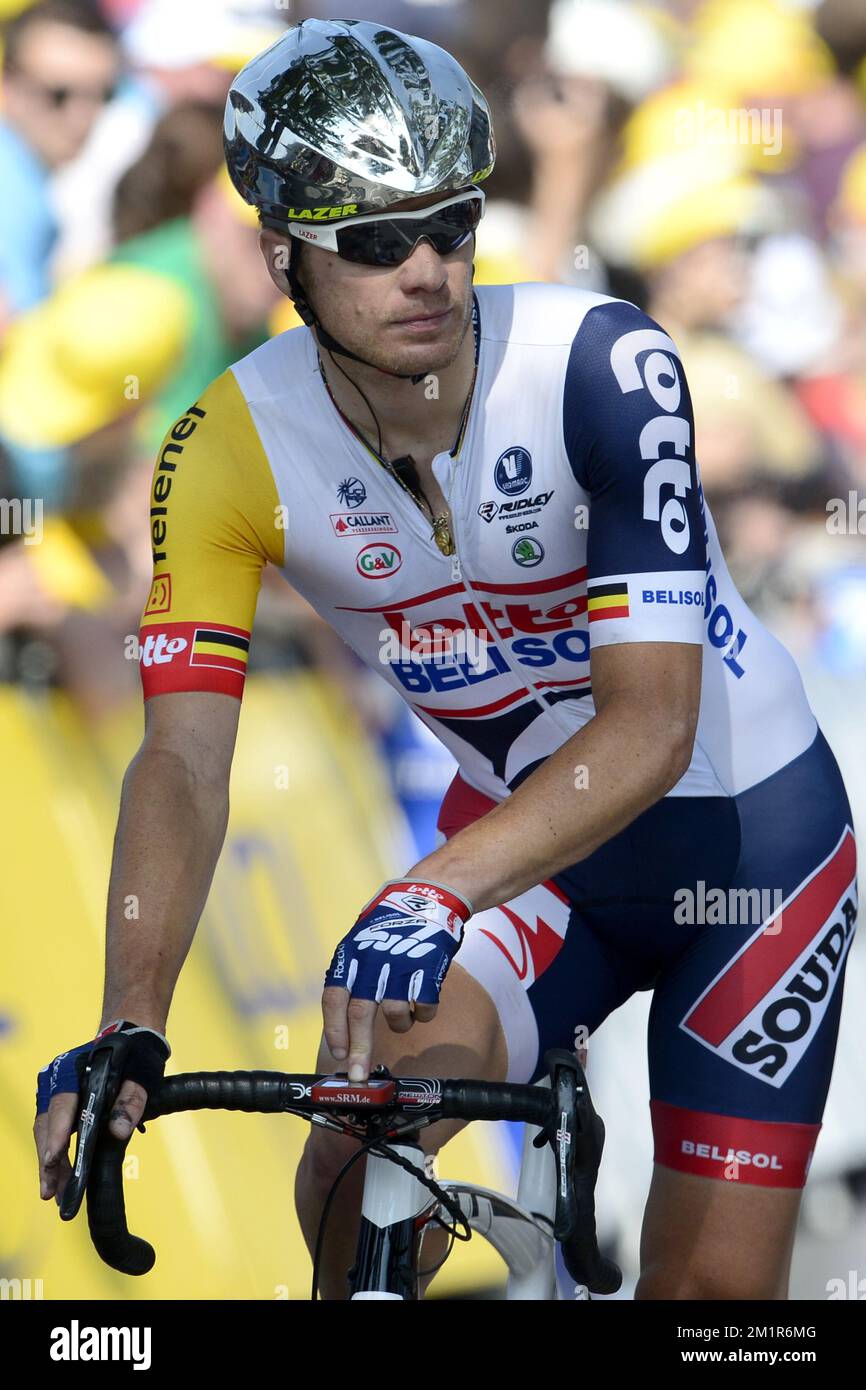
[(60, 66), (176, 213), (80, 365), (601, 57), (176, 51), (76, 373)]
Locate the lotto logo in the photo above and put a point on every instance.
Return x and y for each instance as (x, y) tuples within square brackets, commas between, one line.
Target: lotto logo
[(158, 649), (646, 359)]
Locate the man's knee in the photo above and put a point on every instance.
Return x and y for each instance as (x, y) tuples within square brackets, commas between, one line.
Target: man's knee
[(325, 1153), (704, 1284), (464, 1039)]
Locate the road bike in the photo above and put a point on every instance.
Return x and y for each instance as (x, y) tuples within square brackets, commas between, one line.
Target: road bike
[(555, 1202)]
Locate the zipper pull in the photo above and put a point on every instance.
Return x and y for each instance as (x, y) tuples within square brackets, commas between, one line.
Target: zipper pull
[(455, 567)]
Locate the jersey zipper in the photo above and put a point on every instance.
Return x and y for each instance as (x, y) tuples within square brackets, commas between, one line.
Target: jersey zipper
[(457, 576)]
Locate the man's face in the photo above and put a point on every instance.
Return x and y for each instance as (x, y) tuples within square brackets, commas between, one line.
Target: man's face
[(405, 318), (57, 88)]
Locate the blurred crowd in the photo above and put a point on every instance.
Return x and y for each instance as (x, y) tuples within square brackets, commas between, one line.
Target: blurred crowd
[(705, 159)]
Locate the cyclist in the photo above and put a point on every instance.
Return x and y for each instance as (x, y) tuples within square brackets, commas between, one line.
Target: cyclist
[(493, 497)]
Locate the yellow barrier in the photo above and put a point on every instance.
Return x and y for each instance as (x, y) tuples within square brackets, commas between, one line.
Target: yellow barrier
[(312, 834)]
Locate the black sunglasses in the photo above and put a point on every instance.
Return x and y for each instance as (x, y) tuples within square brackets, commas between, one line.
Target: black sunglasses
[(389, 238), (58, 97)]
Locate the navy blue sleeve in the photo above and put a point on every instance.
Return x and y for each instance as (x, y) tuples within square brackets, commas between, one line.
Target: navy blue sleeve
[(629, 435)]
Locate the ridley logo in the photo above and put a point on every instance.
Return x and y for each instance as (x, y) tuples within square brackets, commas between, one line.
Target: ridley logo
[(506, 511), (763, 1010), (377, 561)]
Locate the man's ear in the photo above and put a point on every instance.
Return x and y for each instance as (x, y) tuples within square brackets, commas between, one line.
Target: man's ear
[(270, 243)]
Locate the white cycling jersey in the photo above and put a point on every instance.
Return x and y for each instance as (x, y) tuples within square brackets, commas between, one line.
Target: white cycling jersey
[(578, 517)]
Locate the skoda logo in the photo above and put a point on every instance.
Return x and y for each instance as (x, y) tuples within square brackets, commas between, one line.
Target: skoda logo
[(527, 552), (352, 492), (513, 471)]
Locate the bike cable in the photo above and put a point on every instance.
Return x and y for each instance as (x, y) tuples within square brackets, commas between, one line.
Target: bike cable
[(382, 1150)]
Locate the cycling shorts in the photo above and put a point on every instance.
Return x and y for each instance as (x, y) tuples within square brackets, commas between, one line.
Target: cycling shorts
[(738, 913)]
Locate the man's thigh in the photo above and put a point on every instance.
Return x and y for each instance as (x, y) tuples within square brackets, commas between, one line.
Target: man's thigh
[(742, 1036), (707, 1239), (465, 1038)]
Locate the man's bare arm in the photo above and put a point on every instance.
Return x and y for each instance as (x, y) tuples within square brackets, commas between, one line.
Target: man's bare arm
[(647, 696), (170, 831)]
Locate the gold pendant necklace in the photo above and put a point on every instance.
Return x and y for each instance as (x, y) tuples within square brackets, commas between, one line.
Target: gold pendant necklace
[(441, 525), (442, 534), (441, 528)]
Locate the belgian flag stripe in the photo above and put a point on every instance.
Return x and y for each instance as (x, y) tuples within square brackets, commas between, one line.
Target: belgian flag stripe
[(212, 644), (615, 601), (608, 613), (210, 649), (606, 590), (223, 638), (221, 662), (607, 601)]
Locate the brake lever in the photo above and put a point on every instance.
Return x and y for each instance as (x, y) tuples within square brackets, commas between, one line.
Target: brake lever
[(98, 1166), (577, 1141), (100, 1085), (575, 1133)]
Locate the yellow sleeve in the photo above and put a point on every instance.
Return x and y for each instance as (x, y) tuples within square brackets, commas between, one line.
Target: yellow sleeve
[(214, 525)]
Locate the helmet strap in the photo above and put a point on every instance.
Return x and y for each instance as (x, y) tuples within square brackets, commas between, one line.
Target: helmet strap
[(326, 340)]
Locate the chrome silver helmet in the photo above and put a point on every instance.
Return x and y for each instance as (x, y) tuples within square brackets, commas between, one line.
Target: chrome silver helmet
[(341, 114)]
